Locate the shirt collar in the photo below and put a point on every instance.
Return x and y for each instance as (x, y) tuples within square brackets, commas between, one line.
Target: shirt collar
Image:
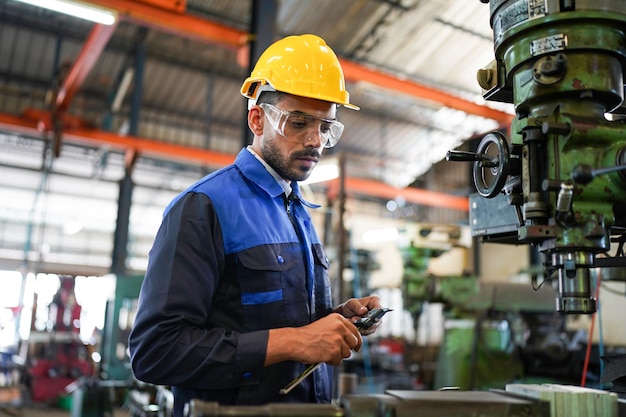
[(286, 186), (273, 184)]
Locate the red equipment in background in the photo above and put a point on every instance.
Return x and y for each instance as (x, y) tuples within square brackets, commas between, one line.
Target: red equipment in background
[(57, 357), (54, 366)]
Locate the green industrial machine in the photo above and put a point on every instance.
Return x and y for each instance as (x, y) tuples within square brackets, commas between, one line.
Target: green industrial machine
[(470, 346), (419, 244), (419, 287), (120, 313), (559, 183)]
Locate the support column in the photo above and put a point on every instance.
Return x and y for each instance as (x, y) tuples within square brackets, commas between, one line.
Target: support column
[(120, 238), (262, 29)]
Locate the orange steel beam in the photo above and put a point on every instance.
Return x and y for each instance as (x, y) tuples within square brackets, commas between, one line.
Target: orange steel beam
[(39, 122), (27, 126), (179, 24), (413, 195), (173, 5), (355, 73), (87, 58), (151, 147)]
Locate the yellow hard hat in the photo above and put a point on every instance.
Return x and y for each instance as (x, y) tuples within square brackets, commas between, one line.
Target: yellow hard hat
[(300, 65)]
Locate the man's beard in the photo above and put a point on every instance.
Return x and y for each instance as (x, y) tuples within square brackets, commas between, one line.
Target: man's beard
[(272, 155)]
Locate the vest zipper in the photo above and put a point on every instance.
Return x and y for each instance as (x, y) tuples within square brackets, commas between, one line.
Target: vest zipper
[(288, 203)]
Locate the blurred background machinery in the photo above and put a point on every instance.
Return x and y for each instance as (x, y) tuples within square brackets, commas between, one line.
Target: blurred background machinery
[(396, 403), (480, 335), (56, 357)]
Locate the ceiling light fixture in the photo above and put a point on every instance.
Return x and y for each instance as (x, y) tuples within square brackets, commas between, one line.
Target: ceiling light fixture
[(78, 9)]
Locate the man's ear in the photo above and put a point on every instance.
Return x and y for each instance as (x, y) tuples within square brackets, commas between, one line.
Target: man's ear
[(256, 120)]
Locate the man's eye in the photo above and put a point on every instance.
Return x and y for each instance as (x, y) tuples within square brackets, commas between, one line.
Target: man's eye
[(298, 122), (325, 127)]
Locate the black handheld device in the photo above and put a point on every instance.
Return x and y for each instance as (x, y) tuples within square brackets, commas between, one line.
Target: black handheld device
[(371, 318)]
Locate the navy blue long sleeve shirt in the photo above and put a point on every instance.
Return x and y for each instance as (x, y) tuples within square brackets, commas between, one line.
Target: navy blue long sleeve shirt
[(233, 258)]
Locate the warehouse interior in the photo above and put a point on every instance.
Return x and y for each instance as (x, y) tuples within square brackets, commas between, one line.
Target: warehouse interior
[(480, 192)]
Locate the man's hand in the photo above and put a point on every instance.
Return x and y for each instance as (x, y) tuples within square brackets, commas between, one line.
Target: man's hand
[(354, 308), (329, 339)]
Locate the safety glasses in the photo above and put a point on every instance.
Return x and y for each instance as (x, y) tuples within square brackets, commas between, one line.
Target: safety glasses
[(293, 124)]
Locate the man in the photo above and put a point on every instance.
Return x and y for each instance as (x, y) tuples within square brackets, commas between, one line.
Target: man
[(236, 298)]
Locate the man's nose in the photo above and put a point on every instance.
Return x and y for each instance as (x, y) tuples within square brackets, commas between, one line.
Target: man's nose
[(315, 137)]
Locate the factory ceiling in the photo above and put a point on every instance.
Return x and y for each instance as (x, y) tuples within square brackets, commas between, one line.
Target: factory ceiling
[(159, 91)]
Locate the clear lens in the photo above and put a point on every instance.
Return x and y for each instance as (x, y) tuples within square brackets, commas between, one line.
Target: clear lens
[(300, 124)]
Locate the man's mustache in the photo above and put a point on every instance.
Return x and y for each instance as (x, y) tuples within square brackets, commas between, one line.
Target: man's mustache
[(307, 154)]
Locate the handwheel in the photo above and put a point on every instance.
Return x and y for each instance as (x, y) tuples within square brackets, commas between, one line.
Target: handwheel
[(491, 168)]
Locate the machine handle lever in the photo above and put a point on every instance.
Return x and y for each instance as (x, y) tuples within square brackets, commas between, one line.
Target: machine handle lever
[(583, 174), (469, 157)]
